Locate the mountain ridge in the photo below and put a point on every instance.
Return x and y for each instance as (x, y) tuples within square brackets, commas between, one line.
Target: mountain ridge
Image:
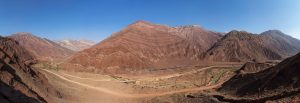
[(146, 45), (241, 46), (41, 48)]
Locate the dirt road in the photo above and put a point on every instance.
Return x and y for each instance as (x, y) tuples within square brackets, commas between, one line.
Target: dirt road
[(180, 74)]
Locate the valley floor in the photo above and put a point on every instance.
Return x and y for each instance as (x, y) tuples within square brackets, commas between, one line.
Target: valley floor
[(77, 87)]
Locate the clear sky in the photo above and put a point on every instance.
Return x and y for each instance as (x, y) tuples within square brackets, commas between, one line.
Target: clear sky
[(97, 19)]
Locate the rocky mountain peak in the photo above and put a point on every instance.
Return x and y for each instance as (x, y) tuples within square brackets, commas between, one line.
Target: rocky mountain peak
[(234, 34), (141, 23), (23, 34), (189, 26), (273, 32)]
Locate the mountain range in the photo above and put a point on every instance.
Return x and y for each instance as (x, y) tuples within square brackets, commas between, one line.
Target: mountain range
[(269, 63), (147, 45), (144, 45), (41, 48), (241, 46)]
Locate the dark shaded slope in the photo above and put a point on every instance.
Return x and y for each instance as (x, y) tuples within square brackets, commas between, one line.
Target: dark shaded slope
[(277, 82), (20, 83)]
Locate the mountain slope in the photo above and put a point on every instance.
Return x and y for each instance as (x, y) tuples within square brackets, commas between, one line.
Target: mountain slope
[(241, 46), (146, 45), (276, 82), (76, 45), (286, 45), (19, 82), (41, 48)]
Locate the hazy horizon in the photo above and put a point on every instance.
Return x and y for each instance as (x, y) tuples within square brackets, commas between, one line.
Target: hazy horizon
[(97, 20)]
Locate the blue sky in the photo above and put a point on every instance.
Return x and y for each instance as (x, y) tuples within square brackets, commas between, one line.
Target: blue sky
[(97, 19)]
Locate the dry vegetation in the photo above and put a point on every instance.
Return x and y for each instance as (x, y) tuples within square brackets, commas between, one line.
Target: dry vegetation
[(122, 88)]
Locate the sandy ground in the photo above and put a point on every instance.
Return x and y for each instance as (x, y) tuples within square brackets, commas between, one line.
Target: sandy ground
[(96, 88)]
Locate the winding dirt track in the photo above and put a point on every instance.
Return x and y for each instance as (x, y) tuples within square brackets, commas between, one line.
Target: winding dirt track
[(129, 95), (96, 80), (181, 74)]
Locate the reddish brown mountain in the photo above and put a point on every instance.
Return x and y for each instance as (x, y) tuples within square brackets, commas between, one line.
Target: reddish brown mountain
[(241, 46), (146, 45), (283, 44), (41, 48), (19, 82), (277, 82)]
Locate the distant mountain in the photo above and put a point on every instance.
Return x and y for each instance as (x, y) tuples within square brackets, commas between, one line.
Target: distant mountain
[(284, 44), (147, 45), (19, 82), (76, 45), (280, 81), (241, 46), (41, 48)]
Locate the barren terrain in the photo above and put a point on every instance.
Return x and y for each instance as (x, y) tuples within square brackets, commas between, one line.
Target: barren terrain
[(152, 63), (78, 87)]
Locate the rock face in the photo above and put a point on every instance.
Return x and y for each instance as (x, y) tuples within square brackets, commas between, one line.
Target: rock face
[(146, 45), (19, 83), (76, 45), (241, 46), (41, 48), (276, 82)]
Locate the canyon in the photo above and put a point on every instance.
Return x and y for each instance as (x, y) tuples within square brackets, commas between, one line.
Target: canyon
[(152, 63)]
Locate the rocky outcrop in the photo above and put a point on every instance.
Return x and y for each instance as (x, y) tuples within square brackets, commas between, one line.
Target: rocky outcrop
[(19, 82)]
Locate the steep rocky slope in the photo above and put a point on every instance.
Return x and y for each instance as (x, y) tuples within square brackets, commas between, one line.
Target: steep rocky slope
[(41, 48), (277, 82), (146, 45), (241, 46), (76, 45), (19, 82)]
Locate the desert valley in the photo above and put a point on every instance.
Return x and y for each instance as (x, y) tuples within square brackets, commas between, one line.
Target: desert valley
[(152, 63)]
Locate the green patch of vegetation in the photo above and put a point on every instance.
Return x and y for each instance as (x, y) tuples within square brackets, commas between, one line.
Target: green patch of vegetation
[(209, 71), (217, 77), (130, 82), (116, 77), (46, 65)]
